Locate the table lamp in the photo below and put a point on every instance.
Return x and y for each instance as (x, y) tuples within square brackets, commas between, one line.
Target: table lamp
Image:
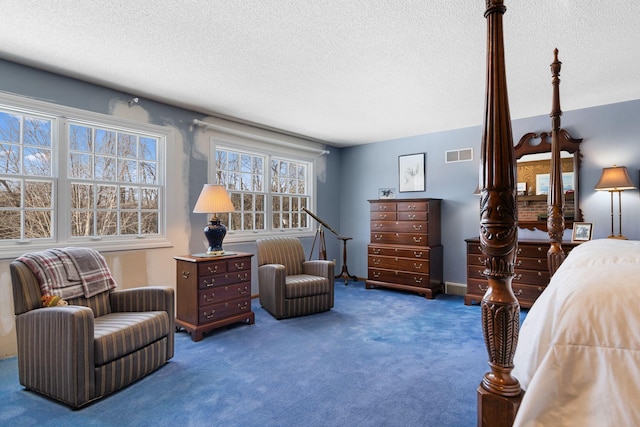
[(214, 199), (615, 180)]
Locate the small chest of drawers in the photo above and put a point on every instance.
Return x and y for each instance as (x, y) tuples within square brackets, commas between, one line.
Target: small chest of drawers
[(405, 251), (531, 272), (213, 292)]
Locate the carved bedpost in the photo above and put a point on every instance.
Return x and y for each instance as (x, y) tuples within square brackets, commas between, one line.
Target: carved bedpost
[(555, 199), (499, 394)]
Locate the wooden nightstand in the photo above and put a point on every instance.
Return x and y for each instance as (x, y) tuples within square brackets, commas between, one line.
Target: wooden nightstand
[(213, 292)]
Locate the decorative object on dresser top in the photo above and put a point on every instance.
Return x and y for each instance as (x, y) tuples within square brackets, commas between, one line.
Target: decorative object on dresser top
[(289, 285), (214, 199), (531, 271), (533, 172), (405, 251), (615, 180), (213, 292)]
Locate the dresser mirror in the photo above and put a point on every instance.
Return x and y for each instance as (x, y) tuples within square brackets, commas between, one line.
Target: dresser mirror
[(533, 155)]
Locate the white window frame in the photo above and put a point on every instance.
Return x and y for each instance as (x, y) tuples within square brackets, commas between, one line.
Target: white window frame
[(260, 147), (61, 115)]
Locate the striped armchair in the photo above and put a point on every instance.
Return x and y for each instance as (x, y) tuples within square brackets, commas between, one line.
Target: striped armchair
[(93, 346), (289, 286)]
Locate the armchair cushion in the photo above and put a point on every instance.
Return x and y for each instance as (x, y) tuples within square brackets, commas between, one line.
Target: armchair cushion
[(305, 285), (118, 334)]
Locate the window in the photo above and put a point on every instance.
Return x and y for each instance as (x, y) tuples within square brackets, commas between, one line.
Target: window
[(267, 190), (90, 179)]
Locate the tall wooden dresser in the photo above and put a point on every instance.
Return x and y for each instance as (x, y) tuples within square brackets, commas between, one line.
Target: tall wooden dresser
[(531, 273), (213, 292), (405, 251)]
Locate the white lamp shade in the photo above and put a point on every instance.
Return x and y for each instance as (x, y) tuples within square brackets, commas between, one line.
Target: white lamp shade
[(615, 178), (213, 199)]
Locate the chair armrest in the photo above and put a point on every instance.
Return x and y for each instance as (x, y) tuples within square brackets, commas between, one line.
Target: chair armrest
[(323, 268), (55, 352), (271, 288), (148, 298)]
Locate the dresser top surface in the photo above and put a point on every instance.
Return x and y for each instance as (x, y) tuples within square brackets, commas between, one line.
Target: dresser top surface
[(205, 258)]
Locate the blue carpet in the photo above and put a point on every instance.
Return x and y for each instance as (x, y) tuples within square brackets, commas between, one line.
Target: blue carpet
[(378, 358)]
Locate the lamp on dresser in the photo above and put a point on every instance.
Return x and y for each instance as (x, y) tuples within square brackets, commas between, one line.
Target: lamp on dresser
[(615, 180), (214, 200)]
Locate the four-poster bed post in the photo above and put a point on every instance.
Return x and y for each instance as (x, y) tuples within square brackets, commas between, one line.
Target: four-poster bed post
[(499, 393), (555, 199)]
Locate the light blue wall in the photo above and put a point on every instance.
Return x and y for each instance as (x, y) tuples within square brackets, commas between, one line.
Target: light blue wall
[(42, 85), (609, 135), (351, 176)]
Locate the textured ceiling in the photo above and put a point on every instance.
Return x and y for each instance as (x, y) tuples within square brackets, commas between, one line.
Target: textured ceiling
[(343, 71)]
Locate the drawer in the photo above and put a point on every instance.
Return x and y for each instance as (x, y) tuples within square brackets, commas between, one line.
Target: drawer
[(531, 277), (224, 279), (239, 264), (383, 216), (401, 277), (531, 264), (213, 312), (415, 239), (526, 294), (412, 206), (412, 216), (399, 252), (532, 251), (396, 263), (399, 226), (223, 293), (383, 207), (212, 267)]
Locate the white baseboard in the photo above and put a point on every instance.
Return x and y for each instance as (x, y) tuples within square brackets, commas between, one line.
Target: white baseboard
[(455, 288)]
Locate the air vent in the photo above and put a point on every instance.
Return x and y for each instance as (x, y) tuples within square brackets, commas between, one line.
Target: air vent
[(462, 155)]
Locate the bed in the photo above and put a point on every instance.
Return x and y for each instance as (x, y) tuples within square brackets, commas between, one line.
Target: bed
[(576, 360), (578, 355)]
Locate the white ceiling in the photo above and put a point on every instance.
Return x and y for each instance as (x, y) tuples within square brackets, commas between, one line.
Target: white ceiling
[(343, 71)]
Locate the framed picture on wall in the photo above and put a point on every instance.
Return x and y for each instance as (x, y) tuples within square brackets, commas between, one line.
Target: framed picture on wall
[(411, 172), (582, 231)]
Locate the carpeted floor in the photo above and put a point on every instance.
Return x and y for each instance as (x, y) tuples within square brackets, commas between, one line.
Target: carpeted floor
[(378, 358)]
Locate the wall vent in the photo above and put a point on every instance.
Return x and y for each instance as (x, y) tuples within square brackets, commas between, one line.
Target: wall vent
[(461, 155)]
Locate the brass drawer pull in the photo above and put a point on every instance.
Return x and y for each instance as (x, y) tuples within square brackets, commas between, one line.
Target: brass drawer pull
[(417, 279), (376, 251), (209, 298), (518, 251), (483, 288), (411, 207), (243, 291), (411, 216), (185, 274), (539, 273), (209, 284), (212, 270), (376, 274), (239, 266), (417, 227), (376, 261), (209, 316), (417, 239), (377, 236), (518, 293), (378, 226), (519, 263), (417, 266), (383, 208), (417, 254), (382, 216), (539, 261), (517, 277), (243, 306), (541, 288)]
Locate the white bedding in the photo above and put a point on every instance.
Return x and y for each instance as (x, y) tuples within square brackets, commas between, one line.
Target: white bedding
[(578, 354)]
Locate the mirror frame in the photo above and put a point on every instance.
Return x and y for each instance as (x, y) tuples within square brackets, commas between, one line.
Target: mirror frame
[(567, 143)]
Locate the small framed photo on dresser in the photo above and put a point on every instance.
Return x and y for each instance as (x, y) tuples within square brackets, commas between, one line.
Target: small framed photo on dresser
[(582, 231)]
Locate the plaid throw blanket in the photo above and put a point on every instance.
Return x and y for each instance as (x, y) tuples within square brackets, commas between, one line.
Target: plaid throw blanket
[(70, 272)]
